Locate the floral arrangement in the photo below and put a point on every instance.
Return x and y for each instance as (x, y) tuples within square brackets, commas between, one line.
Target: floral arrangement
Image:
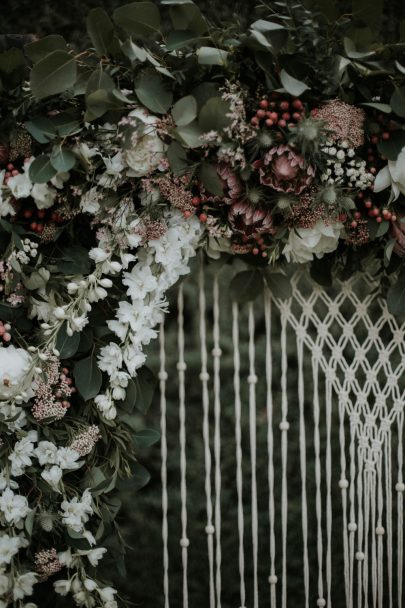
[(281, 144)]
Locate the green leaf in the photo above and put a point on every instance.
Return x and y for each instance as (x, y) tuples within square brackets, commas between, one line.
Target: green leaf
[(187, 16), (292, 85), (246, 286), (398, 102), (67, 345), (41, 48), (41, 170), (53, 74), (396, 295), (146, 438), (145, 385), (140, 477), (180, 39), (62, 159), (391, 147), (42, 129), (101, 30), (381, 107), (88, 377), (153, 91), (74, 259), (184, 111), (210, 179), (12, 68), (177, 157), (278, 284), (207, 55), (368, 12), (66, 124), (214, 115), (190, 135), (138, 18)]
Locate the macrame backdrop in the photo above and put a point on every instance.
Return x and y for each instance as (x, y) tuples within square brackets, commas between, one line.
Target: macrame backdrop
[(348, 367)]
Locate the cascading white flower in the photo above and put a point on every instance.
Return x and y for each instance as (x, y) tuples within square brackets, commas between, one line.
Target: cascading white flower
[(305, 243), (393, 174)]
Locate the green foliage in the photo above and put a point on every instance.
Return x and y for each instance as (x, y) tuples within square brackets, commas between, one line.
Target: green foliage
[(153, 91), (396, 295), (55, 73), (138, 18), (87, 377), (246, 286)]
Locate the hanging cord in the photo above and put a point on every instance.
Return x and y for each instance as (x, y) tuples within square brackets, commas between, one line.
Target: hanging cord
[(252, 381), (163, 450), (216, 353)]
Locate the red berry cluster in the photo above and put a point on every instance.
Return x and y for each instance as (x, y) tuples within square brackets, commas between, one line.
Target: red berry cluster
[(382, 129), (202, 216), (278, 112), (5, 331), (12, 171), (37, 218), (372, 211), (61, 392)]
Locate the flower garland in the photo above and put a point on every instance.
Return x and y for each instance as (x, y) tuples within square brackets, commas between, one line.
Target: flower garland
[(116, 164)]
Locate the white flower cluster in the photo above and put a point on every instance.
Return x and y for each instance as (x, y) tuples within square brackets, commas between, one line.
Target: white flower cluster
[(160, 265), (343, 168), (29, 250)]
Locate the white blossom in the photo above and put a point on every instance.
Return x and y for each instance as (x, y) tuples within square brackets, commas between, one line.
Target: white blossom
[(15, 374), (13, 507), (305, 243)]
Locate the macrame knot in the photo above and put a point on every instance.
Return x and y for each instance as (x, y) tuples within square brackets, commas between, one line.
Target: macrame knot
[(391, 380), (333, 309), (373, 332), (380, 531), (316, 353), (360, 354), (252, 379), (216, 352), (361, 309), (360, 556), (163, 376), (337, 352), (330, 374), (369, 465), (354, 418), (209, 529), (384, 356), (400, 487), (352, 526), (307, 309), (370, 419), (184, 543), (300, 332), (380, 401), (350, 375), (363, 442), (284, 425), (371, 376), (181, 366), (361, 398), (321, 602), (343, 484), (398, 406), (385, 424), (322, 330), (347, 330), (376, 445), (398, 336), (273, 579), (204, 376)]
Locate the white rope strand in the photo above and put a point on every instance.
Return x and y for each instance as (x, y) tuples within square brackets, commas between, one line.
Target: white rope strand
[(284, 426), (344, 484), (303, 461), (318, 499), (216, 353), (400, 508), (181, 366), (252, 380), (163, 450), (238, 440), (328, 403), (204, 377), (270, 447)]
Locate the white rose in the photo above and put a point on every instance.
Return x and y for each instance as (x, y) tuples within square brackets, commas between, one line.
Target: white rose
[(52, 476), (15, 373), (393, 174), (305, 243), (43, 195), (20, 185), (148, 149)]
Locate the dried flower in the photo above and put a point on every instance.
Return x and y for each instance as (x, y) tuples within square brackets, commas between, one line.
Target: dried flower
[(250, 220), (47, 563), (344, 121), (85, 442)]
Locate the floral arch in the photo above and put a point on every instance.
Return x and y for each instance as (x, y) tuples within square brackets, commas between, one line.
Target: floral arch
[(277, 146)]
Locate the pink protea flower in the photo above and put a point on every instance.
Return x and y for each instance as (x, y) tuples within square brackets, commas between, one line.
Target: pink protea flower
[(398, 233), (284, 170), (250, 220), (232, 183)]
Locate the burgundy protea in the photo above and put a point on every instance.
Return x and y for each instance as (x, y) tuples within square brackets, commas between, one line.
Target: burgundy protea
[(250, 220), (284, 170), (232, 184), (398, 233)]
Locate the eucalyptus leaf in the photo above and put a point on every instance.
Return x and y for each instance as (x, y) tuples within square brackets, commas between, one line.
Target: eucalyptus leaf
[(88, 377), (207, 55), (53, 74), (41, 169), (41, 48), (187, 16), (42, 129), (145, 384), (67, 345), (381, 107), (279, 284), (62, 159), (210, 179), (190, 135), (146, 438), (138, 18), (153, 91), (396, 295), (246, 286), (214, 115), (101, 30), (292, 85), (398, 102), (177, 157), (184, 111)]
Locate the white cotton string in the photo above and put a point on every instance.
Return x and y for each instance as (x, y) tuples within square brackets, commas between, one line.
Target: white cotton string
[(252, 380), (270, 447), (204, 377), (374, 533), (238, 441), (303, 460), (181, 366), (318, 498), (380, 545), (328, 404), (344, 484), (367, 498), (216, 353), (284, 426), (360, 553), (388, 509), (352, 526), (163, 450), (400, 507)]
